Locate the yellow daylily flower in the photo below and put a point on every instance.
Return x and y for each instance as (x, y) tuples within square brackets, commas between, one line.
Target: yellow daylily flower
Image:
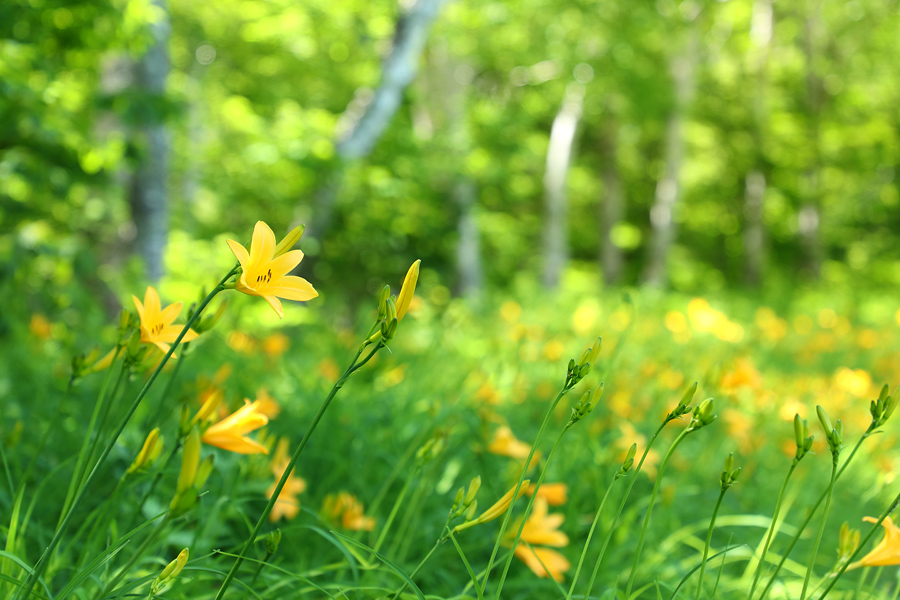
[(556, 563), (887, 552), (230, 433), (555, 494), (287, 505), (266, 275), (156, 322), (505, 443), (345, 508)]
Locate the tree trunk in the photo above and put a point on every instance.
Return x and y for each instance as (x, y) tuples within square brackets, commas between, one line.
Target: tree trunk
[(809, 218), (612, 208), (149, 195), (365, 128), (559, 155), (668, 189), (755, 181)]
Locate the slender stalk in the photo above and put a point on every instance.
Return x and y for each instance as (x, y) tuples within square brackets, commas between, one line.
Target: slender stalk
[(156, 478), (590, 535), (421, 564), (640, 545), (41, 564), (81, 461), (712, 525), (394, 509), (354, 366), (161, 406), (534, 496), (615, 520), (771, 531), (812, 558), (508, 515), (862, 544), (810, 513), (134, 558), (472, 576)]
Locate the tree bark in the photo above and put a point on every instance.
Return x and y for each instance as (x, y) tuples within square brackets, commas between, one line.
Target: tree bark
[(668, 189), (612, 208), (364, 129), (809, 218), (559, 155), (149, 194), (755, 182)]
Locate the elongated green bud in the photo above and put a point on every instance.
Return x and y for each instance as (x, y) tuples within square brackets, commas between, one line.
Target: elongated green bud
[(473, 508), (289, 240), (824, 420), (382, 301), (190, 461), (204, 471), (272, 541), (798, 430), (457, 502), (473, 489), (688, 395)]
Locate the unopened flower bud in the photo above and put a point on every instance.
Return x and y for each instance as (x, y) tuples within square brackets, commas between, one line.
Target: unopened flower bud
[(473, 508), (824, 420), (288, 241), (272, 540), (382, 301), (798, 430), (190, 461), (473, 489), (204, 471)]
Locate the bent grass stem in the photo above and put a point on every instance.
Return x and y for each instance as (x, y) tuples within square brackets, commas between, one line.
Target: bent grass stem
[(712, 526), (771, 530), (815, 550), (590, 535)]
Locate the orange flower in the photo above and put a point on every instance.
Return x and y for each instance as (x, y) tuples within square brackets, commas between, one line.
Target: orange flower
[(555, 494), (542, 529), (230, 433), (287, 505), (348, 511), (276, 344), (266, 275), (156, 322), (505, 443), (556, 563), (267, 404), (887, 552)]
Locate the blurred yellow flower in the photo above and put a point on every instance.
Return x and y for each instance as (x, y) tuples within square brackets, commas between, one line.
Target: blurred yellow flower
[(853, 381), (265, 275), (504, 443), (156, 322), (267, 404), (744, 374), (542, 529), (276, 344), (555, 494), (230, 433), (887, 552), (345, 509), (40, 327), (287, 505)]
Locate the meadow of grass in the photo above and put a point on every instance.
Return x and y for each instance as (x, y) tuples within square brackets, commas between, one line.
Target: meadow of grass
[(463, 397)]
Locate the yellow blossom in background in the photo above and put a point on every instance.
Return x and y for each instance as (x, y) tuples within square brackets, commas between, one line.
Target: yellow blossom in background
[(536, 558), (276, 344), (230, 433), (542, 529), (156, 322), (267, 405), (40, 327), (265, 275), (345, 509), (329, 370), (510, 311), (555, 494), (744, 374), (504, 443), (887, 552), (241, 342), (287, 505), (853, 381)]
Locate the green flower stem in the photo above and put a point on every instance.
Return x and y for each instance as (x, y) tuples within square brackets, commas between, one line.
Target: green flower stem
[(815, 550), (659, 476), (712, 525), (621, 507), (394, 509), (421, 564), (156, 478), (771, 531), (354, 366), (811, 512), (161, 405), (862, 544), (472, 576), (134, 558), (590, 535), (508, 515), (28, 586), (81, 461), (531, 500)]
